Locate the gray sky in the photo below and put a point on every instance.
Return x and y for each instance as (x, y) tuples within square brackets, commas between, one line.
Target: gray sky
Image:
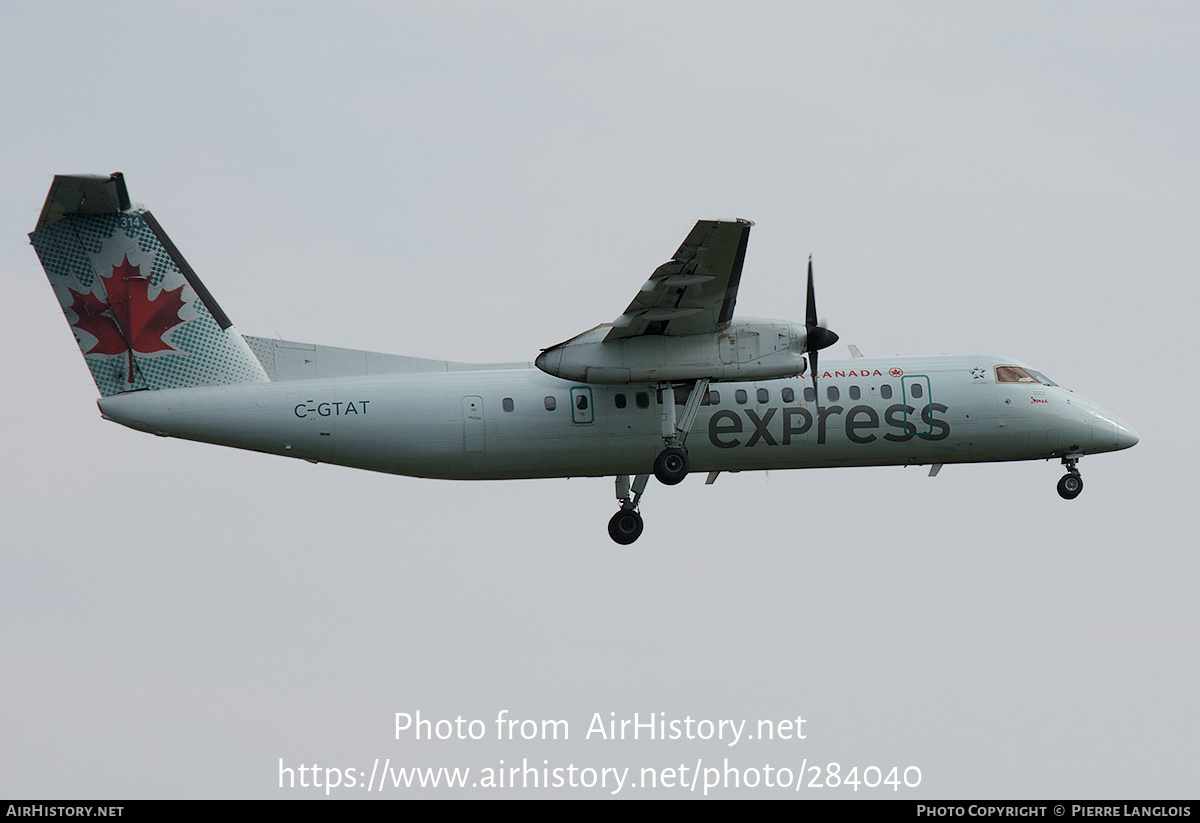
[(476, 182)]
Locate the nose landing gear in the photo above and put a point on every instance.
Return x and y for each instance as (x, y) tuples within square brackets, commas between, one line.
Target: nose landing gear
[(1071, 483), (1070, 486)]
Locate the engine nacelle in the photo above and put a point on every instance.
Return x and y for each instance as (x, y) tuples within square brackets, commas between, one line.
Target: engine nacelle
[(747, 350)]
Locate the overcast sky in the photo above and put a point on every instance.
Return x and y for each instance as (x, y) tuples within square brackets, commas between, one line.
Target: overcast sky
[(478, 181)]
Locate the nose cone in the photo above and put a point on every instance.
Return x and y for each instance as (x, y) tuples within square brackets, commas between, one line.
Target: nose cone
[(1109, 432), (1126, 436)]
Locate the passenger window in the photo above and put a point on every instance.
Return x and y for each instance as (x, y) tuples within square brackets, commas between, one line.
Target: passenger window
[(507, 403), (581, 402), (810, 395), (740, 396), (832, 393), (789, 396), (855, 394), (917, 391), (619, 400), (643, 400), (764, 396), (714, 397), (885, 391), (550, 404)]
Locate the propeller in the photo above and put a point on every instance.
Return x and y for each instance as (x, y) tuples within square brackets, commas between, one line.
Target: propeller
[(817, 336)]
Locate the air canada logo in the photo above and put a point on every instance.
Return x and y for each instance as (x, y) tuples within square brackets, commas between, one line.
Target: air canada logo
[(895, 371), (130, 321)]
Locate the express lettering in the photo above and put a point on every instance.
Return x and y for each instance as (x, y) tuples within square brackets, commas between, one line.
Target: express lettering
[(859, 423), (338, 408)]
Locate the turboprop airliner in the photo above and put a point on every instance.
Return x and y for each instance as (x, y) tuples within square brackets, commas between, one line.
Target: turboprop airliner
[(674, 385)]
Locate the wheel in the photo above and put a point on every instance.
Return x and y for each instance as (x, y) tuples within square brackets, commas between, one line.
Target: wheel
[(1070, 486), (671, 466), (625, 526)]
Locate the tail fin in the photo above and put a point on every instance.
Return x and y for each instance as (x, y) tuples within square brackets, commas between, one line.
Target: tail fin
[(141, 316)]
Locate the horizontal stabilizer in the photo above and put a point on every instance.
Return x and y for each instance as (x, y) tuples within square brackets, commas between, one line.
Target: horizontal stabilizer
[(83, 194)]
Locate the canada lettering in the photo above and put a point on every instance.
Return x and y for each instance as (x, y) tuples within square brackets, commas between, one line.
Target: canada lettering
[(860, 424)]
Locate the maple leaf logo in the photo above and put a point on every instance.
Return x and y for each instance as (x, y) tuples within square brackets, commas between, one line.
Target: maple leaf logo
[(130, 321), (96, 320)]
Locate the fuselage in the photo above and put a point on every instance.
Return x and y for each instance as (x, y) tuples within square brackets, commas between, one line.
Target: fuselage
[(496, 423)]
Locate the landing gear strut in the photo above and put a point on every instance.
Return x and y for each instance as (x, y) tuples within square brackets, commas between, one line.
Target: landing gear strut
[(1071, 483)]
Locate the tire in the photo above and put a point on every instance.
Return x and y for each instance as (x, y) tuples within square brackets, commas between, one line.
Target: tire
[(671, 466), (625, 526), (1070, 486)]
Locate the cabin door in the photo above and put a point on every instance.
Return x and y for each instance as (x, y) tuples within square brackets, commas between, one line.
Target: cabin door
[(915, 394), (474, 432)]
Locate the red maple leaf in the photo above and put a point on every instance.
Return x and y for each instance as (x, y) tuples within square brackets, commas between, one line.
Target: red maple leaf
[(143, 321), (97, 320), (130, 321)]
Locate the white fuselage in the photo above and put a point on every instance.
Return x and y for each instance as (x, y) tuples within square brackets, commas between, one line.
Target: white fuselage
[(495, 423)]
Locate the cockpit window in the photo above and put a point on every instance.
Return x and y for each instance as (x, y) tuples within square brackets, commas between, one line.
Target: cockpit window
[(1041, 378), (1017, 374)]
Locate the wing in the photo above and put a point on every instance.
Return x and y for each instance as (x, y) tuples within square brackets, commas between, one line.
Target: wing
[(695, 291)]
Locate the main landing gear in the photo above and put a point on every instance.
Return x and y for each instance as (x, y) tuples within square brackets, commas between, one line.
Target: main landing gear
[(670, 467), (626, 525), (672, 464), (1071, 483)]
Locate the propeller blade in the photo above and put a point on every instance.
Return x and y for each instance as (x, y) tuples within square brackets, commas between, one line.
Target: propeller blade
[(817, 336), (810, 314), (812, 363)]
